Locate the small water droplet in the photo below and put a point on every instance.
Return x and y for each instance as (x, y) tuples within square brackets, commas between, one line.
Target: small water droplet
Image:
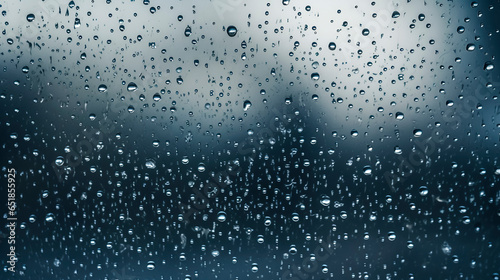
[(367, 170), (201, 167), (59, 161), (246, 105), (150, 164), (423, 190), (325, 200), (102, 88), (488, 66), (30, 17), (231, 31), (332, 46), (391, 236), (131, 87), (470, 47), (50, 217), (221, 216)]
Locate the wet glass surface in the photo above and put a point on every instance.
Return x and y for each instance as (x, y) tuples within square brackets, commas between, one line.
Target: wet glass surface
[(232, 139)]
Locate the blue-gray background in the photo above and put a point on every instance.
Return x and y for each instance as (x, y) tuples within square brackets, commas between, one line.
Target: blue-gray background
[(315, 154)]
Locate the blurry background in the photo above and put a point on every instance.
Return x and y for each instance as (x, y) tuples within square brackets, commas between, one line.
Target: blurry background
[(233, 139)]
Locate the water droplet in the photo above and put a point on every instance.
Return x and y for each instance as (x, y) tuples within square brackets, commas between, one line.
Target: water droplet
[(470, 47), (50, 217), (400, 116), (102, 88), (30, 17), (332, 46), (131, 87), (421, 17), (446, 248), (151, 265), (395, 14), (488, 66), (246, 105), (397, 150), (187, 31), (460, 29), (59, 161), (365, 32), (150, 164), (423, 190), (367, 170), (231, 31), (315, 76), (221, 216), (325, 200), (417, 132), (285, 2), (201, 167), (391, 236)]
